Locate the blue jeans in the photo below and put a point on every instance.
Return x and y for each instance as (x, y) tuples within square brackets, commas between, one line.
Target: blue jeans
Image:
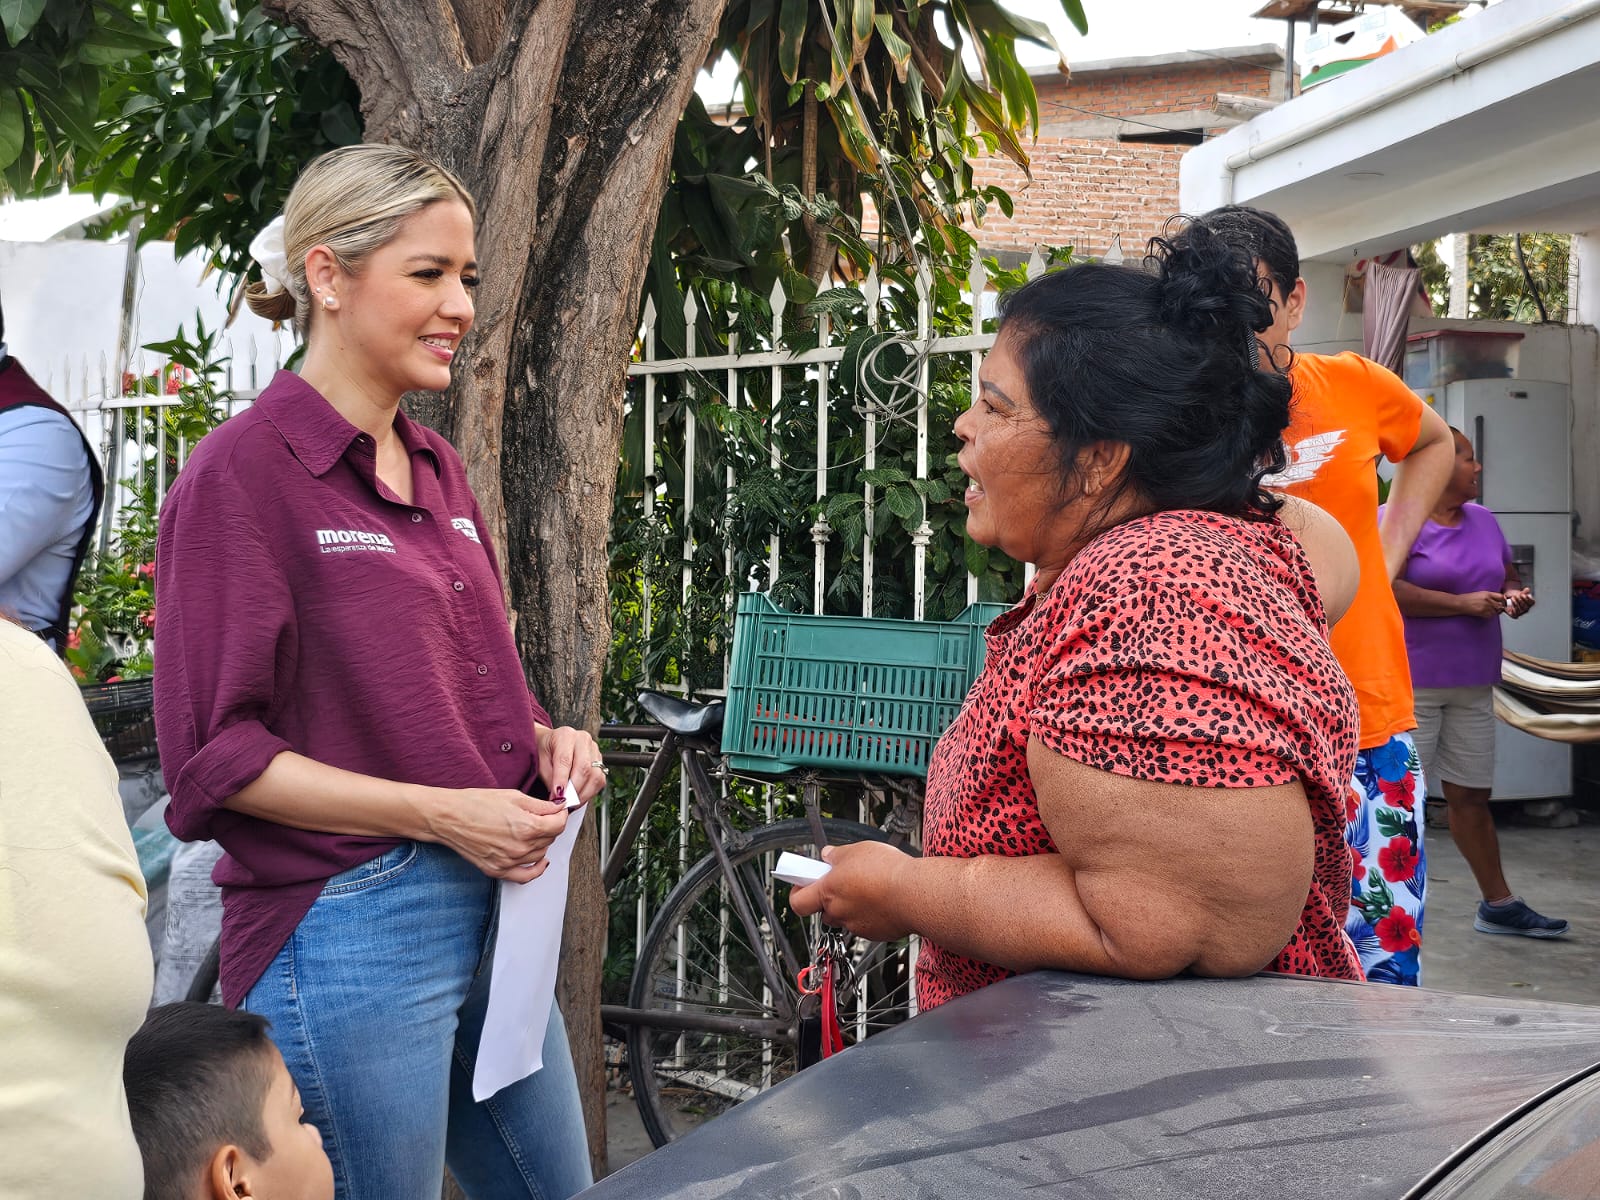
[(377, 1003)]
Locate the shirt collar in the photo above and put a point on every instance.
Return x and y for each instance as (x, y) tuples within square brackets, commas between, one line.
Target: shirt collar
[(317, 434)]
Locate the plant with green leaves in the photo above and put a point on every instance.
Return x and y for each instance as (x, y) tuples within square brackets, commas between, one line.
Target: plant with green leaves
[(845, 104), (1500, 269), (58, 58), (208, 138)]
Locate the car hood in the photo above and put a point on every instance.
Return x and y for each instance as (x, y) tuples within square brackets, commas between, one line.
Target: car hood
[(1066, 1085)]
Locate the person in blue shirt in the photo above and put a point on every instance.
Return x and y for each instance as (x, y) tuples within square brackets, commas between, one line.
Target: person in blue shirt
[(50, 493)]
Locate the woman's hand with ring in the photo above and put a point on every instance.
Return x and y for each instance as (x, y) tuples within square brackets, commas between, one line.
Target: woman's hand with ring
[(569, 755)]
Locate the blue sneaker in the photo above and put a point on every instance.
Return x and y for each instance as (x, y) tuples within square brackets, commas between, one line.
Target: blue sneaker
[(1518, 919)]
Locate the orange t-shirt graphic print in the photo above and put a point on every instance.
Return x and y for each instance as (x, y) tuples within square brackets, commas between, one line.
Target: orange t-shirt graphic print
[(1347, 413)]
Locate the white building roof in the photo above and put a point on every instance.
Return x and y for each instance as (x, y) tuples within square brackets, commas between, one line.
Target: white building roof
[(1489, 125)]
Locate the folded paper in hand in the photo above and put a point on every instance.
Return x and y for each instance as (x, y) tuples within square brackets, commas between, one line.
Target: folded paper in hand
[(527, 950), (798, 869)]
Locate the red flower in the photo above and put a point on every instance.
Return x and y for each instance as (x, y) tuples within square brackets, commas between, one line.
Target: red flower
[(1398, 860), (148, 570), (1358, 869), (1398, 792), (1397, 932), (149, 619), (74, 641), (1352, 805)]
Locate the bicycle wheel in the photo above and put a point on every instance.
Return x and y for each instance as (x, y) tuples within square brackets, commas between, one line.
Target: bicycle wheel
[(697, 960)]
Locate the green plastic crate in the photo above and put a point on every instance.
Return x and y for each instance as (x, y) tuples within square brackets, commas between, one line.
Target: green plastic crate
[(848, 693)]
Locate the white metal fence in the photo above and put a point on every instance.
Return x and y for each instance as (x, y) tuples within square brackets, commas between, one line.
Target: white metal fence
[(891, 382)]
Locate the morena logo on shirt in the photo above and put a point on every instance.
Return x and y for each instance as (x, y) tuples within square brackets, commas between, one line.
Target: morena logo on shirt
[(341, 541), (465, 525)]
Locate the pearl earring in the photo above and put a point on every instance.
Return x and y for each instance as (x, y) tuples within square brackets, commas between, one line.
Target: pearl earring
[(327, 302)]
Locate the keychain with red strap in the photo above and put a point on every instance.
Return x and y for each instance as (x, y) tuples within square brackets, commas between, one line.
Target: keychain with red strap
[(822, 979)]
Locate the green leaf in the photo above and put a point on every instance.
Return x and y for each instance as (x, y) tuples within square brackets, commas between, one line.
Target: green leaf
[(884, 476), (1075, 14), (19, 17), (792, 19), (1391, 822), (340, 126), (12, 130), (861, 29), (185, 18), (992, 19), (837, 301), (899, 49), (976, 556)]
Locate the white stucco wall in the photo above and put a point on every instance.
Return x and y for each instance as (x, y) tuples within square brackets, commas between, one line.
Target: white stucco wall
[(63, 302)]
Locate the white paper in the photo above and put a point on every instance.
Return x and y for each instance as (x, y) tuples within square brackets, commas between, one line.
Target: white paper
[(522, 987), (799, 870)]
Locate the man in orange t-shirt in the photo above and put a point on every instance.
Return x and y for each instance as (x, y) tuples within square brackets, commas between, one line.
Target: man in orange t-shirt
[(1347, 412)]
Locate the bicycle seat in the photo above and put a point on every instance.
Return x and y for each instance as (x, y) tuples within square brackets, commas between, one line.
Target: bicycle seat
[(690, 720)]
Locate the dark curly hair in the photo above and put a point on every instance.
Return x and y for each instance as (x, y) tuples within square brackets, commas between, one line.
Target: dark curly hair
[(1164, 360), (1264, 234)]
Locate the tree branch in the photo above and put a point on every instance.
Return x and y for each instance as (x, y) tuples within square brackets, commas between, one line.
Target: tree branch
[(405, 55), (481, 23), (512, 116)]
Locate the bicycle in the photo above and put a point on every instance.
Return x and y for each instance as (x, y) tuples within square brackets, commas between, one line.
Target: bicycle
[(715, 1010)]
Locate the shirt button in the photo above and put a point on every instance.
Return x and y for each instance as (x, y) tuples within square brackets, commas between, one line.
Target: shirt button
[(416, 518), (482, 670), (505, 747), (459, 586)]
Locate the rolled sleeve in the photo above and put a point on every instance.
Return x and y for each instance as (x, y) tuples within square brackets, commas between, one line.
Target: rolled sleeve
[(1398, 411), (225, 639)]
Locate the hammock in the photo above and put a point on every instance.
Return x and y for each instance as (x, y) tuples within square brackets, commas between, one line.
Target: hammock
[(1559, 701)]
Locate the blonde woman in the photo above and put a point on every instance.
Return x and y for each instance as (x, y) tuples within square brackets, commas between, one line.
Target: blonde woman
[(340, 703)]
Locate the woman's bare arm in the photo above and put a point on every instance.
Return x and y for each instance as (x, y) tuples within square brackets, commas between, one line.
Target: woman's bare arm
[(1152, 880), (1330, 551)]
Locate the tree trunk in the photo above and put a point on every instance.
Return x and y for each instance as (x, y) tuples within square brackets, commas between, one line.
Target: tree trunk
[(559, 116)]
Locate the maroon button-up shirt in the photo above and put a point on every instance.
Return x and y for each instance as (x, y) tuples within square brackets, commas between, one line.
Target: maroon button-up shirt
[(302, 606)]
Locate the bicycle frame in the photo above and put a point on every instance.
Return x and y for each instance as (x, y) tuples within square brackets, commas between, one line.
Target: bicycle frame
[(691, 753)]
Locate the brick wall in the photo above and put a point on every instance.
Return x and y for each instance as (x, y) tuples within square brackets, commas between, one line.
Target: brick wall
[(1088, 187)]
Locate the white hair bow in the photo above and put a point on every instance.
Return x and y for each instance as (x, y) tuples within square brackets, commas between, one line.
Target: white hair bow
[(268, 251)]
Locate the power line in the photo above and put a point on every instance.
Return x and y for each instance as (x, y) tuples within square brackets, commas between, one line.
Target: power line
[(1089, 112)]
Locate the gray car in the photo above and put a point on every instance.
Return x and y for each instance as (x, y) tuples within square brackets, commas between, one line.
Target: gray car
[(1074, 1086)]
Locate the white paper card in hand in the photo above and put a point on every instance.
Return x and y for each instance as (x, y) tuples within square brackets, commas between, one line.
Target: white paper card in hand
[(798, 869), (522, 985), (569, 796)]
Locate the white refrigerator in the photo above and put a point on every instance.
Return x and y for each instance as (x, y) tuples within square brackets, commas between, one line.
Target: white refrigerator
[(1522, 433)]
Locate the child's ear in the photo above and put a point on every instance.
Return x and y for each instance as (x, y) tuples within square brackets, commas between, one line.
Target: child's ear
[(228, 1177)]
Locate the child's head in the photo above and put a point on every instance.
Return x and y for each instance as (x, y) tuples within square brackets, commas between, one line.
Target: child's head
[(215, 1112)]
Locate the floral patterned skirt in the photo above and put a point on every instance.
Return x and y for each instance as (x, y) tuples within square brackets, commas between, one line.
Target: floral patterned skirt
[(1389, 868)]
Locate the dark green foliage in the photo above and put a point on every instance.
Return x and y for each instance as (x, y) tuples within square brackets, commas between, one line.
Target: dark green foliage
[(207, 139)]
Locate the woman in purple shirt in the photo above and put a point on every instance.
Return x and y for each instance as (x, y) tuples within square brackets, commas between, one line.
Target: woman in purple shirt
[(340, 704), (1456, 585)]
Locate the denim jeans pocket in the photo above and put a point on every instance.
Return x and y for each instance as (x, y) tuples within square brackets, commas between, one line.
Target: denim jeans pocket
[(375, 872)]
